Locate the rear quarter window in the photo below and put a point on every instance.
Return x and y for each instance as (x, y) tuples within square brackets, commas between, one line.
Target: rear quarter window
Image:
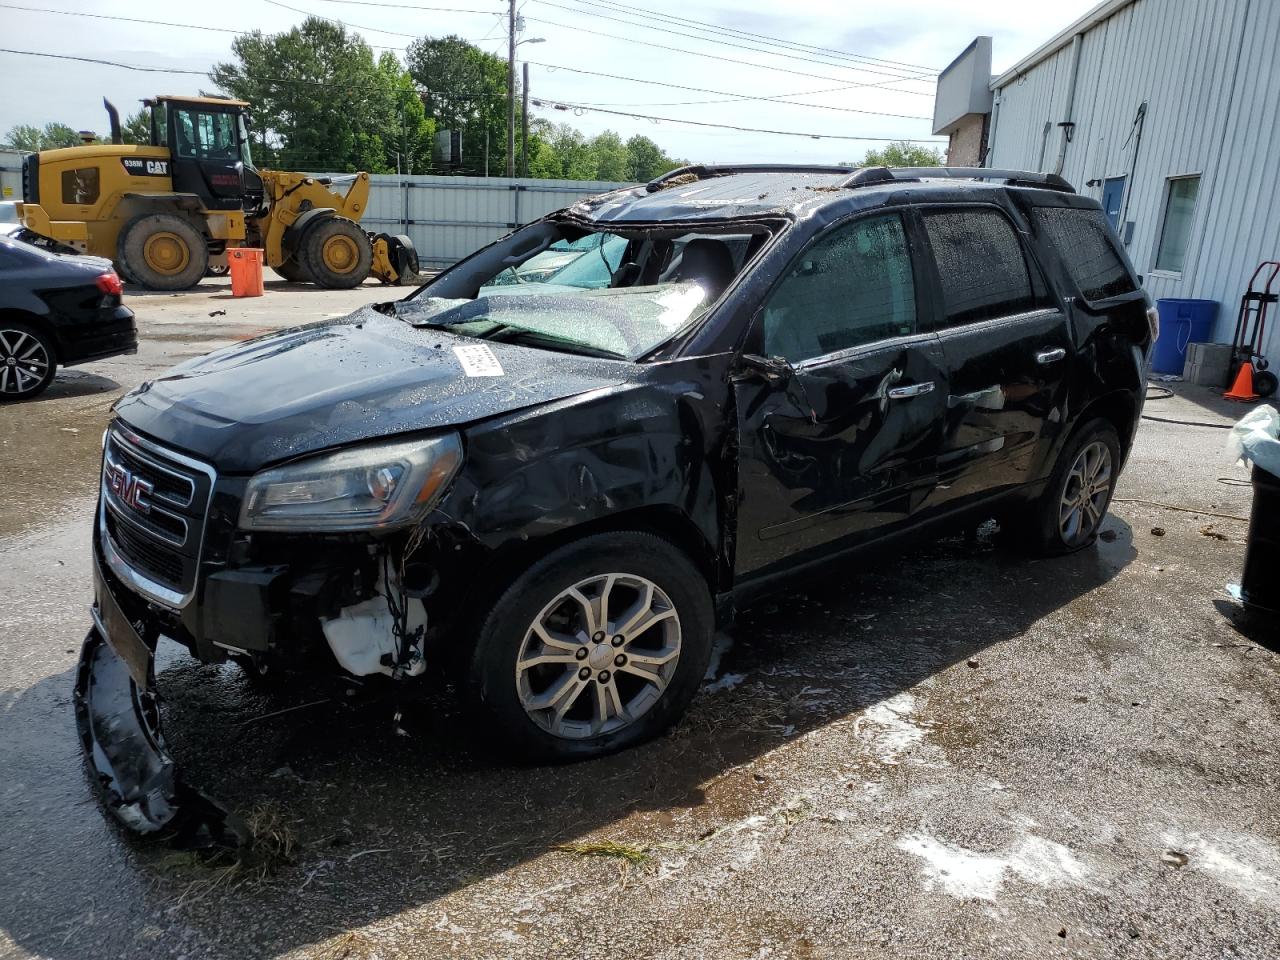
[(1085, 244)]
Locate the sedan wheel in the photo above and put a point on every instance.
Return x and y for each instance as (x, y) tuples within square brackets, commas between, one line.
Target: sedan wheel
[(26, 363), (599, 656), (1084, 498)]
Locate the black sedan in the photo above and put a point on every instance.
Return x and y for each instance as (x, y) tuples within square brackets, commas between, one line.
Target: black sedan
[(56, 311)]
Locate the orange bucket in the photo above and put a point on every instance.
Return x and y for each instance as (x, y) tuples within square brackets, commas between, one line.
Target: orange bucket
[(246, 271)]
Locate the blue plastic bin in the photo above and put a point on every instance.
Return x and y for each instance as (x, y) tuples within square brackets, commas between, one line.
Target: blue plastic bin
[(1182, 322)]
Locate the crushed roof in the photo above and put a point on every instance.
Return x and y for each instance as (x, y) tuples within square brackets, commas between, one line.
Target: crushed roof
[(725, 196)]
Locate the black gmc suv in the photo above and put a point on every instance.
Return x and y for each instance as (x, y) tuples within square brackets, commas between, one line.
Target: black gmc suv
[(556, 482)]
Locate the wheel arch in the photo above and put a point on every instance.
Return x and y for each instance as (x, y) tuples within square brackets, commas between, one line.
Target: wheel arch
[(666, 521), (292, 236), (38, 322), (1121, 409), (182, 205)]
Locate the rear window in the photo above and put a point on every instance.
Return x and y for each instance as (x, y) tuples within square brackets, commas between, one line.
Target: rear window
[(1085, 243), (980, 265)]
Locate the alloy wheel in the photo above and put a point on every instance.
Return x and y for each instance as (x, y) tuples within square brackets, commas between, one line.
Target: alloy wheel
[(1085, 494), (598, 656), (24, 362)]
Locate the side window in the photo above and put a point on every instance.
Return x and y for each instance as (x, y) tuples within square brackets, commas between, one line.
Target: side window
[(80, 186), (852, 286), (1086, 245), (980, 265)]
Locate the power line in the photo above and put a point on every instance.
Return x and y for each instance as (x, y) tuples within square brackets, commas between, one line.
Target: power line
[(740, 63), (699, 24), (897, 75), (584, 108), (646, 43), (706, 26), (322, 84), (356, 26), (154, 23), (726, 93)]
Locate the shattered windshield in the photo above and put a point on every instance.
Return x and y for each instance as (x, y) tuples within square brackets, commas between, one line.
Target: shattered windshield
[(624, 323), (596, 293)]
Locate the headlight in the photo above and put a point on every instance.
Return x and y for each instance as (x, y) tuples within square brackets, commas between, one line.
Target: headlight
[(371, 487)]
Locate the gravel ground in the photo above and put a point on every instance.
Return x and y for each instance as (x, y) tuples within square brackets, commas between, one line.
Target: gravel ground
[(950, 752)]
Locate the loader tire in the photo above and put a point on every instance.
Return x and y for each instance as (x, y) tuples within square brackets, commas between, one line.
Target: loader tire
[(336, 252), (293, 271), (162, 252)]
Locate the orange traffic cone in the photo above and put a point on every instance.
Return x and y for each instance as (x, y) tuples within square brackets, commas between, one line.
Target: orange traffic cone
[(1242, 389)]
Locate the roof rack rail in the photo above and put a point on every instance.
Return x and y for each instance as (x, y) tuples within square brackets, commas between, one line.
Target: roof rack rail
[(701, 171), (870, 176), (1012, 178)]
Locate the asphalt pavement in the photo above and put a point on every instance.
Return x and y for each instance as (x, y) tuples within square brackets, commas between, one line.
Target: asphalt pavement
[(948, 752)]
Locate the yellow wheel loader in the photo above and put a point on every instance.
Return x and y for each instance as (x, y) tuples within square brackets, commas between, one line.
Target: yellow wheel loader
[(168, 211)]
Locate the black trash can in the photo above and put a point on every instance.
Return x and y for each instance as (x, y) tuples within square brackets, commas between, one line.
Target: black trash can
[(1260, 584)]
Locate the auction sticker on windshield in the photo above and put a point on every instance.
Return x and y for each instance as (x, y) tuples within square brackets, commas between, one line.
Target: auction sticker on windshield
[(478, 361)]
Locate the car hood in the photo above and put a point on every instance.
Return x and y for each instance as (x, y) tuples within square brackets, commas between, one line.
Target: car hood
[(361, 377)]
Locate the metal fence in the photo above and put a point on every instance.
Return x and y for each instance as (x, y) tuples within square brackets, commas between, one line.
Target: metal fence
[(450, 217)]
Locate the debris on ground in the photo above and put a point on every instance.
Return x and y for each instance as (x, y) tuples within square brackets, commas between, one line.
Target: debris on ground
[(972, 663), (607, 848), (1157, 531), (217, 313), (1208, 531), (726, 682), (1176, 858), (1108, 536)]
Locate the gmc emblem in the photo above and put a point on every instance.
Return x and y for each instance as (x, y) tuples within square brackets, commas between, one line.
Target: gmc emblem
[(130, 490)]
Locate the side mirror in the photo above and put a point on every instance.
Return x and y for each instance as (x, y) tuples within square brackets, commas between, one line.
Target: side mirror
[(770, 369)]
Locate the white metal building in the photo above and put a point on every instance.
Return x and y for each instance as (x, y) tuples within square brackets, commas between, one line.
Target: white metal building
[(1168, 111)]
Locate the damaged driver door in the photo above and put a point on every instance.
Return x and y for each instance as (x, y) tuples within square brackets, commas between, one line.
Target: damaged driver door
[(839, 438)]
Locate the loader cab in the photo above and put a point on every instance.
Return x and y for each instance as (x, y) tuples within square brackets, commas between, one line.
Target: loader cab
[(208, 143)]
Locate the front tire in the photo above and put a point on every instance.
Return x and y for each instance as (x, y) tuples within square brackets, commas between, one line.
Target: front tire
[(598, 646), (1068, 515), (336, 253), (293, 271)]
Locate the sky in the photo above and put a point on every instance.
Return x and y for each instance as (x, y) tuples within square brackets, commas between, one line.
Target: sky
[(880, 58)]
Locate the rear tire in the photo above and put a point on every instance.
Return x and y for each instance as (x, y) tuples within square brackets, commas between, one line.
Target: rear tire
[(162, 252), (643, 660), (1069, 514), (28, 361), (336, 253)]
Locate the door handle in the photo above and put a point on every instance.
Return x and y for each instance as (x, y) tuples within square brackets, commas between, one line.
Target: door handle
[(1052, 355), (911, 390)]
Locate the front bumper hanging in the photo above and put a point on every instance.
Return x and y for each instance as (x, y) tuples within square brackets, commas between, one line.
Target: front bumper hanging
[(118, 716)]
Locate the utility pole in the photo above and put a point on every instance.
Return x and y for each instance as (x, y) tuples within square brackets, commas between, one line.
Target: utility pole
[(511, 88), (524, 122)]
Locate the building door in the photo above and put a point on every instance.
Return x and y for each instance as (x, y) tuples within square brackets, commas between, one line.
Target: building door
[(1112, 200)]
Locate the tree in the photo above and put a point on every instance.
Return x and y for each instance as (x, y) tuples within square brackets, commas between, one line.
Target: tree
[(320, 101), (34, 139), (903, 153), (136, 128), (408, 147), (464, 88), (610, 156), (645, 160)]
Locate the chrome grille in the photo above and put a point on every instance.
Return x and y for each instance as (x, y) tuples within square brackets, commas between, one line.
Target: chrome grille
[(154, 504)]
